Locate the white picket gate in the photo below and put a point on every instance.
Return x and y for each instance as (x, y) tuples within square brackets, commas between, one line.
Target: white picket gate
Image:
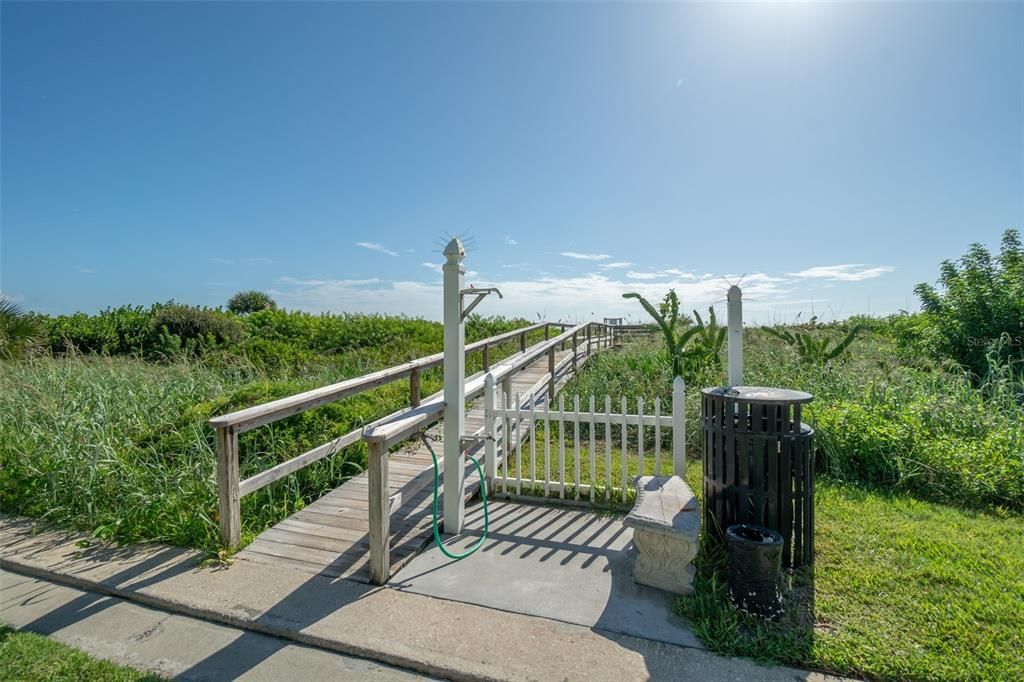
[(511, 426)]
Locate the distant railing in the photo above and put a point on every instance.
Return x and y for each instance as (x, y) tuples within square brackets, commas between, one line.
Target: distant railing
[(229, 426)]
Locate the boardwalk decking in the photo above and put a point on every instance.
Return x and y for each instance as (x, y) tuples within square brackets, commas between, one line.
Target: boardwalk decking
[(331, 536)]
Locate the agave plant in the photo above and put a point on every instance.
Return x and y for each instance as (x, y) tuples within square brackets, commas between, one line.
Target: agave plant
[(18, 330), (668, 320), (814, 349)]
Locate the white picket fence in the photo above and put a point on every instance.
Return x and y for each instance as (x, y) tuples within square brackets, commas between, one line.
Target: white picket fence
[(511, 425)]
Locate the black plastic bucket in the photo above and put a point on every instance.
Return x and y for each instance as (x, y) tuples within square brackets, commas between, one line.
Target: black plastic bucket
[(755, 569)]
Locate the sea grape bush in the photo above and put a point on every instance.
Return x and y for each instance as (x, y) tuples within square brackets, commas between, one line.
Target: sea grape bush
[(979, 305)]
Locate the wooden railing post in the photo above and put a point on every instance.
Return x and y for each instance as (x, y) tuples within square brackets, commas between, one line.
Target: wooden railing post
[(228, 502), (414, 388), (379, 516), (547, 330), (551, 374), (589, 337), (522, 342), (487, 356), (679, 427), (574, 347)]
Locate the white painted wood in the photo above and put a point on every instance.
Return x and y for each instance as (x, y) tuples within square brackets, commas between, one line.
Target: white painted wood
[(657, 436), (640, 435), (506, 444), (519, 445), (490, 431), (679, 427), (592, 452), (533, 436), (576, 444), (735, 323), (547, 446), (625, 429), (631, 419), (608, 446), (454, 387), (561, 449), (379, 514)]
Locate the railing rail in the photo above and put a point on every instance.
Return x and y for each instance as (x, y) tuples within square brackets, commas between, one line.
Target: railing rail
[(230, 426)]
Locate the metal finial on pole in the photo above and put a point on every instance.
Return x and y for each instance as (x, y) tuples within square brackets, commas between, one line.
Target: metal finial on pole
[(454, 387), (735, 321)]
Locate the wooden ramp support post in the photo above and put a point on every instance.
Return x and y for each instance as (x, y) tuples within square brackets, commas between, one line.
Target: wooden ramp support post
[(229, 498), (379, 512), (735, 322), (679, 427), (454, 387), (490, 431)]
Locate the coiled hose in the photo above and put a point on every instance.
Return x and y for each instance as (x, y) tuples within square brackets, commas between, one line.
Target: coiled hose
[(483, 496)]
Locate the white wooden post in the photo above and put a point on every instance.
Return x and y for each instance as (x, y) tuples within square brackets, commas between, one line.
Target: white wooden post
[(735, 314), (679, 427), (490, 432), (454, 386), (228, 495)]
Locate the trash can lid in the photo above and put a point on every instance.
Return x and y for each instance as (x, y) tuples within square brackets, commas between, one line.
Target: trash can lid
[(759, 394)]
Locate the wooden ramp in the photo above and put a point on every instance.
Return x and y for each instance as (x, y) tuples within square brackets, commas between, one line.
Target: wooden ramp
[(331, 536)]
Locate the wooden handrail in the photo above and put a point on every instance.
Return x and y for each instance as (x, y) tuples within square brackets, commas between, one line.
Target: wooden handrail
[(258, 415)]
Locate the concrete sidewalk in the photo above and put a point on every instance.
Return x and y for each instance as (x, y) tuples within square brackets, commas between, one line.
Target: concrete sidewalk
[(432, 636), (171, 645)]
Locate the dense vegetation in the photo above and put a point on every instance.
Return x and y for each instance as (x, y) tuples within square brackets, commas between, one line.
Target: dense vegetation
[(103, 427)]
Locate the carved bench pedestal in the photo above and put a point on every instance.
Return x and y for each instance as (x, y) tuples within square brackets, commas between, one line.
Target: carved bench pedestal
[(666, 527)]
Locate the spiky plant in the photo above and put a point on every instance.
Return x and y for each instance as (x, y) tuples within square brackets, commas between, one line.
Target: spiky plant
[(814, 349), (19, 331), (675, 337)]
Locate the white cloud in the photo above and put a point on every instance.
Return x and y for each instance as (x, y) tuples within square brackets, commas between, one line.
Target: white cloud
[(660, 274), (222, 261), (644, 275), (582, 297), (261, 261), (510, 242), (585, 256), (617, 264), (852, 272), (87, 271), (374, 246), (436, 267)]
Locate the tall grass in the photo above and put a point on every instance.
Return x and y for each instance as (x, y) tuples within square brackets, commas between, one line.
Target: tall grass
[(879, 419)]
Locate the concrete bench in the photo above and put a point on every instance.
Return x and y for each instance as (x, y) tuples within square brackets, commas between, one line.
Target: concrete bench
[(666, 525)]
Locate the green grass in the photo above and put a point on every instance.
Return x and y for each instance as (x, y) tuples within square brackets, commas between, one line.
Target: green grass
[(27, 657), (901, 589)]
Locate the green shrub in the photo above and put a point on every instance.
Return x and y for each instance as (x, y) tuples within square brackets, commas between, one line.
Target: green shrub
[(180, 329), (250, 302), (114, 331), (979, 303)]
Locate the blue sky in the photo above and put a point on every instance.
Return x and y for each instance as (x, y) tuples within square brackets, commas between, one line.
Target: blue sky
[(831, 154)]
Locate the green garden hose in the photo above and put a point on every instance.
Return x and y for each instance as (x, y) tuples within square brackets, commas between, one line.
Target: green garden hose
[(483, 496)]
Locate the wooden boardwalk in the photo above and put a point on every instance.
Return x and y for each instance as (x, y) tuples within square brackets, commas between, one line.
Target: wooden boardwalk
[(331, 536)]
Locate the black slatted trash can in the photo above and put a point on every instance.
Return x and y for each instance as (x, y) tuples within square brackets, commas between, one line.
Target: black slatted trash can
[(759, 465)]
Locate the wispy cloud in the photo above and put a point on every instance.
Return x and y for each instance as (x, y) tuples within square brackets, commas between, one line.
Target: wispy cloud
[(257, 259), (374, 246), (661, 274), (585, 256), (87, 271), (616, 264), (510, 242), (851, 272), (222, 261), (436, 267)]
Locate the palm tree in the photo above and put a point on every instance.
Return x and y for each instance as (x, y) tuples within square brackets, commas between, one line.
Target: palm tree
[(18, 330)]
